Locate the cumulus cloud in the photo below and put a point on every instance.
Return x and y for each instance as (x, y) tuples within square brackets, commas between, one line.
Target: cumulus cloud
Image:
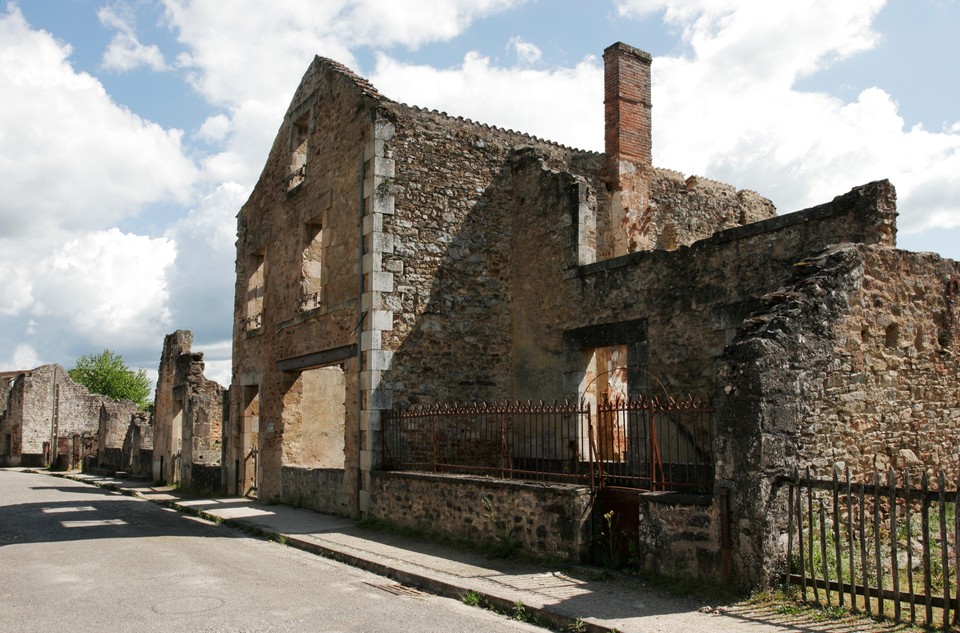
[(108, 285), (125, 52), (82, 161), (215, 128), (23, 357), (201, 279), (728, 108), (527, 98), (527, 53)]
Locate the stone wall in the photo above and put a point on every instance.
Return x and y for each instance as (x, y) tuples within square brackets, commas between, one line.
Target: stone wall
[(319, 489), (168, 432), (853, 363), (207, 478), (305, 234), (547, 520), (113, 428), (680, 536), (33, 409), (692, 300), (136, 453), (188, 412)]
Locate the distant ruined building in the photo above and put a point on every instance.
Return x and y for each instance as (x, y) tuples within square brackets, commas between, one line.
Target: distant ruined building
[(188, 418), (46, 419)]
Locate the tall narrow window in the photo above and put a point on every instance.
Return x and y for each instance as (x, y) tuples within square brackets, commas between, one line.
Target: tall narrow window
[(255, 284), (311, 268), (299, 133)]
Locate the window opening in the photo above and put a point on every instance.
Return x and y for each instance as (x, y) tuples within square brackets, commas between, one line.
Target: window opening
[(299, 133), (255, 286), (311, 268)]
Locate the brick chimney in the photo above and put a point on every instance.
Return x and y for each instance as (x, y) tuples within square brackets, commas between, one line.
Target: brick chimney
[(627, 107)]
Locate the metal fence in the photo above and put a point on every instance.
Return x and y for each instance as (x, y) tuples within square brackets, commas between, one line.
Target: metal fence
[(538, 441), (884, 549), (644, 444), (654, 444)]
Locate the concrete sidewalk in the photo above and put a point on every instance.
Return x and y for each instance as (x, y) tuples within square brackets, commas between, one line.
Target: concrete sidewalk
[(570, 597)]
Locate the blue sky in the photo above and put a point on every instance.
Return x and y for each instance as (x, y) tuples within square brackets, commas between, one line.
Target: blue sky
[(132, 132)]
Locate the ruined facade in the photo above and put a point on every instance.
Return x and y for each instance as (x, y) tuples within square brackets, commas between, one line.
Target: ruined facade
[(124, 439), (47, 418), (392, 256), (188, 417)]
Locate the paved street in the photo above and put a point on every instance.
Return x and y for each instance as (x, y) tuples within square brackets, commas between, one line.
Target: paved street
[(79, 558)]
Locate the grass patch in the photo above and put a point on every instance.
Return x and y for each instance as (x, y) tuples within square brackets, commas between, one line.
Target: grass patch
[(518, 611)]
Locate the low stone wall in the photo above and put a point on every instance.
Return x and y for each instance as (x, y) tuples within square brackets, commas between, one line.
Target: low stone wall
[(680, 535), (543, 519), (111, 459), (205, 477), (319, 489)]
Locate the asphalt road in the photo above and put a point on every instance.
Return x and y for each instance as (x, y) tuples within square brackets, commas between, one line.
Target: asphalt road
[(78, 558)]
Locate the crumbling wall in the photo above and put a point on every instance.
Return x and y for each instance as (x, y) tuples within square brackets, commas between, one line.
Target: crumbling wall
[(44, 403), (113, 426), (691, 301), (168, 409), (188, 412), (887, 395), (9, 435), (136, 453), (453, 253), (307, 233), (853, 363)]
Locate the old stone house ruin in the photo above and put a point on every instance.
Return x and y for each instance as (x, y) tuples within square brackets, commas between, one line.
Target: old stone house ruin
[(48, 419), (392, 257), (179, 443), (188, 418)]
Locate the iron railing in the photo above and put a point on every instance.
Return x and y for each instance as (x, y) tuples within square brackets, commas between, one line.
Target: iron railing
[(509, 440), (883, 549), (654, 444), (646, 444)]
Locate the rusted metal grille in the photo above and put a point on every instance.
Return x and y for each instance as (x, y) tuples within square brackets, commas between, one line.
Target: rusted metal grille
[(643, 444), (654, 444), (547, 442)]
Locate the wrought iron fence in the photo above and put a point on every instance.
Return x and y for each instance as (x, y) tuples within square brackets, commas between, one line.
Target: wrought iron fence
[(647, 444), (654, 444), (509, 440), (884, 549)]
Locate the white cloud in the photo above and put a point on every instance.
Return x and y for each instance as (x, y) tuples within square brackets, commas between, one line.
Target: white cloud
[(17, 287), (526, 52), (202, 277), (125, 52), (108, 286), (729, 109), (81, 161), (23, 357), (215, 128), (526, 98)]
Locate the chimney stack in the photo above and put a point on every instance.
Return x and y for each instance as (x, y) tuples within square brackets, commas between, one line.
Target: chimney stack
[(627, 109)]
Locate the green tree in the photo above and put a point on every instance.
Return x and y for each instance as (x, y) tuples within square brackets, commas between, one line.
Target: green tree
[(106, 373)]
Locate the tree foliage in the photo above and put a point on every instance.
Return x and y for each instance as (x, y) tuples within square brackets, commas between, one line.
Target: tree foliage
[(106, 373)]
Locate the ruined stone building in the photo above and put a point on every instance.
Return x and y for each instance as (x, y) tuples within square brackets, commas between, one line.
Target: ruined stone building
[(49, 419), (392, 256), (188, 418), (124, 440)]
